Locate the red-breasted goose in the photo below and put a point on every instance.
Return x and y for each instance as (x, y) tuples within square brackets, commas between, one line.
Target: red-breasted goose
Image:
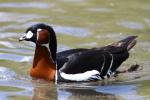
[(76, 64)]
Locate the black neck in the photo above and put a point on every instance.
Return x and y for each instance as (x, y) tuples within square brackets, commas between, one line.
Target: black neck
[(52, 44)]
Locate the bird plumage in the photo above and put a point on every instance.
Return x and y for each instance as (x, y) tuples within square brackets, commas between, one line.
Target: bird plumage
[(78, 64)]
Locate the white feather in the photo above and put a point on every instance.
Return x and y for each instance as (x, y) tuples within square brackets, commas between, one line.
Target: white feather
[(103, 63), (29, 35), (47, 46), (112, 60), (39, 29), (81, 76)]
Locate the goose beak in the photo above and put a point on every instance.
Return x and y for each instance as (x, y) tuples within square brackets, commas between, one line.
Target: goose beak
[(22, 38)]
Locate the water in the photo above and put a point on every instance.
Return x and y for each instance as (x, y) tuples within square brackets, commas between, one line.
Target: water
[(78, 23)]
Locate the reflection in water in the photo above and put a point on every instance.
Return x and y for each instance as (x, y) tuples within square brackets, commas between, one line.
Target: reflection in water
[(44, 90), (44, 93), (84, 94), (100, 90), (50, 91)]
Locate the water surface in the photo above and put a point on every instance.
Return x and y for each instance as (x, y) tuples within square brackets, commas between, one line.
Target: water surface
[(78, 23)]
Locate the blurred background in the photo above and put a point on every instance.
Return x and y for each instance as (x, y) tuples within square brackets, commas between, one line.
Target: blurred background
[(78, 24)]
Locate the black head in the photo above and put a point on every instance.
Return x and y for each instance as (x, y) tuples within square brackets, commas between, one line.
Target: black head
[(41, 34)]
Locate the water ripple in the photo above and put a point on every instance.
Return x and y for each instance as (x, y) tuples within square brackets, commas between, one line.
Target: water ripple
[(20, 51), (25, 88), (6, 73), (7, 44), (14, 57), (7, 35), (113, 36), (131, 25), (73, 1), (128, 92), (91, 44), (39, 5), (62, 47), (100, 9), (73, 31), (145, 45), (17, 17)]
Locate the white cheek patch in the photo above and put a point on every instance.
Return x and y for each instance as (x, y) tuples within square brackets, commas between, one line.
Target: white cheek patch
[(29, 35), (38, 30)]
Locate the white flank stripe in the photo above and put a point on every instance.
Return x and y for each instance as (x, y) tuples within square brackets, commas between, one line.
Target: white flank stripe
[(112, 59), (81, 76), (103, 63)]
